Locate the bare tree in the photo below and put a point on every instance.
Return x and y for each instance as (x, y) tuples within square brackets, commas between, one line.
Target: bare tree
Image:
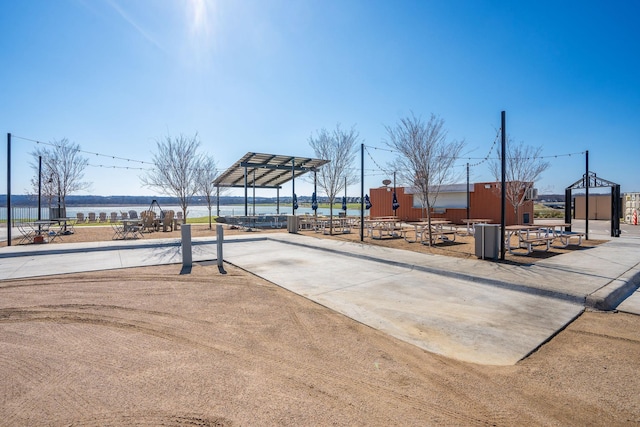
[(524, 165), (177, 162), (207, 173), (427, 157), (339, 147), (62, 171)]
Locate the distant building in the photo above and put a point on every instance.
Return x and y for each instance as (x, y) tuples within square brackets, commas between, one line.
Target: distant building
[(599, 206), (631, 204), (451, 204)]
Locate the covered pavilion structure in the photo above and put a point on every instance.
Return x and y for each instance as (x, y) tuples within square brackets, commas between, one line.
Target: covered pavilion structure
[(258, 170)]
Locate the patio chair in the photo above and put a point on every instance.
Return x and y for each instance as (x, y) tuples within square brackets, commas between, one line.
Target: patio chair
[(167, 221), (178, 220), (80, 217), (148, 221), (102, 217), (133, 214), (118, 231), (113, 217), (92, 217), (27, 231), (133, 231), (124, 215)]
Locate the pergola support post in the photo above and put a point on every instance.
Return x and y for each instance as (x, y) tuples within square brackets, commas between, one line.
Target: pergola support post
[(567, 208)]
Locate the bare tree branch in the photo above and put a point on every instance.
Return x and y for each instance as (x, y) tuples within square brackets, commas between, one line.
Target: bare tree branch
[(427, 157), (207, 173), (524, 165), (176, 169), (339, 147), (62, 171)]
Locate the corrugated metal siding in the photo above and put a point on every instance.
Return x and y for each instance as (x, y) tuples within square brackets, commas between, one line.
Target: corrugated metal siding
[(382, 199), (485, 203), (599, 206)]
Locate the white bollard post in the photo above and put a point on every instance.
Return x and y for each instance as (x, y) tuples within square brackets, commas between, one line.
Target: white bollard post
[(219, 240), (185, 231)]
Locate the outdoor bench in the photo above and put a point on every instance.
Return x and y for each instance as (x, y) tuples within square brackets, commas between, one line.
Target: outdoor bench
[(566, 236), (528, 243)]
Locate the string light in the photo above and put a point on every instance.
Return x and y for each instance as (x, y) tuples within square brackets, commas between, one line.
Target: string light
[(85, 152), (366, 147), (112, 157)]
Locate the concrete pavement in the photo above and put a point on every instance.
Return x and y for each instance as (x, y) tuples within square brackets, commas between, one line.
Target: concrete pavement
[(471, 310)]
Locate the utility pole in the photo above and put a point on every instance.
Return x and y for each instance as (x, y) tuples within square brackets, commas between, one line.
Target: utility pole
[(9, 189), (39, 188), (586, 203), (468, 196), (361, 192), (503, 204)]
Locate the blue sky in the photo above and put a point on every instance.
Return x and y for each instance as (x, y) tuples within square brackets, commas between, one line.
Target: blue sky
[(116, 75)]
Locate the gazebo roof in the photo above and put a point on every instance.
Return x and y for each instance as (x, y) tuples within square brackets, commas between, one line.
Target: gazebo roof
[(266, 170)]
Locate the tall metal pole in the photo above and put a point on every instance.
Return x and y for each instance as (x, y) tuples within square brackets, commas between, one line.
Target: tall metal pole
[(586, 203), (503, 202), (9, 189), (394, 189), (468, 196), (361, 192), (217, 200), (315, 191), (293, 186), (59, 191), (39, 188), (345, 189), (246, 194)]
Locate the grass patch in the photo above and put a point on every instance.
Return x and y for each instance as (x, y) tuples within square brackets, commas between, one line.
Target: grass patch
[(542, 211)]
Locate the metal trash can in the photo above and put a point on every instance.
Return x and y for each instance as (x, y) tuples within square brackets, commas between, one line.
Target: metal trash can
[(487, 240), (292, 224)]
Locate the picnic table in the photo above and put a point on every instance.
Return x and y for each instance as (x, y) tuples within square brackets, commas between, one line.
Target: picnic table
[(471, 222), (388, 226), (555, 229), (339, 225), (528, 236), (438, 231)]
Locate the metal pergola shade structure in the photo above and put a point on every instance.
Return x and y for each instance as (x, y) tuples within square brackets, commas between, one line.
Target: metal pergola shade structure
[(587, 181), (259, 170)]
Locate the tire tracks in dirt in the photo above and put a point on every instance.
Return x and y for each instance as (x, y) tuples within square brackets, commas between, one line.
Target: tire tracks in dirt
[(188, 337)]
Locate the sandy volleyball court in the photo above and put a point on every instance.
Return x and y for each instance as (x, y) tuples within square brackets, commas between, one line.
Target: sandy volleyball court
[(149, 346)]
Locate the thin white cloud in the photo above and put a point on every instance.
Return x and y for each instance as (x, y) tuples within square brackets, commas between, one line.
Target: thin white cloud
[(134, 24)]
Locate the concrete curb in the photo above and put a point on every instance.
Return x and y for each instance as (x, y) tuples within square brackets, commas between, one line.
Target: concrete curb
[(612, 294)]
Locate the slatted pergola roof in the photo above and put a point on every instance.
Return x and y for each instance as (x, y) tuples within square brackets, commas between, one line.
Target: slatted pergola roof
[(266, 170)]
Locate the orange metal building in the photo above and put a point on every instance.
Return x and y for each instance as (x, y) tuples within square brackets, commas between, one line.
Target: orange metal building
[(451, 204)]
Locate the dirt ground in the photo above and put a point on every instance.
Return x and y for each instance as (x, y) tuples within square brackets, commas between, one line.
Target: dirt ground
[(462, 247), (149, 346)]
